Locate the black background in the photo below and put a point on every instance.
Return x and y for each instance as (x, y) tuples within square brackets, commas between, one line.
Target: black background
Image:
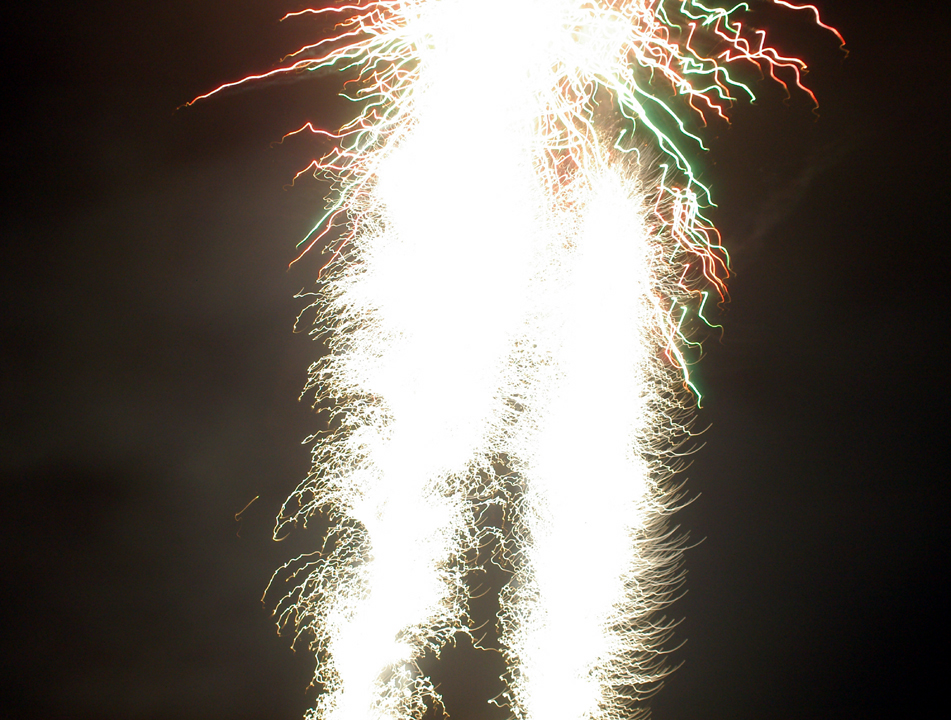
[(150, 375)]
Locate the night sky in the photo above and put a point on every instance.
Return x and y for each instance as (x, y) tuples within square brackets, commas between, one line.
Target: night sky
[(150, 375)]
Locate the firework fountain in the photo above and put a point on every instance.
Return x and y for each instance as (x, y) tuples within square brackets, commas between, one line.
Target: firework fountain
[(518, 253)]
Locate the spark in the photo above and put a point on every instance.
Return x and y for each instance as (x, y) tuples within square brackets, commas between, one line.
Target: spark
[(518, 255)]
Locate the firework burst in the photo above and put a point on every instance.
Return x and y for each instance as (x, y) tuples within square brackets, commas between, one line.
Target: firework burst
[(517, 248)]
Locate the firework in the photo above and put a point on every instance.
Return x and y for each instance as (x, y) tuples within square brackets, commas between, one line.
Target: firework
[(518, 249)]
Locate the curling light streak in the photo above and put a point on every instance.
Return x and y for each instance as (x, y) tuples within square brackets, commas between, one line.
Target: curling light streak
[(517, 249)]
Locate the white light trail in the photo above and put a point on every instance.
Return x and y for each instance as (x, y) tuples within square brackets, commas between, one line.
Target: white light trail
[(602, 413)]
